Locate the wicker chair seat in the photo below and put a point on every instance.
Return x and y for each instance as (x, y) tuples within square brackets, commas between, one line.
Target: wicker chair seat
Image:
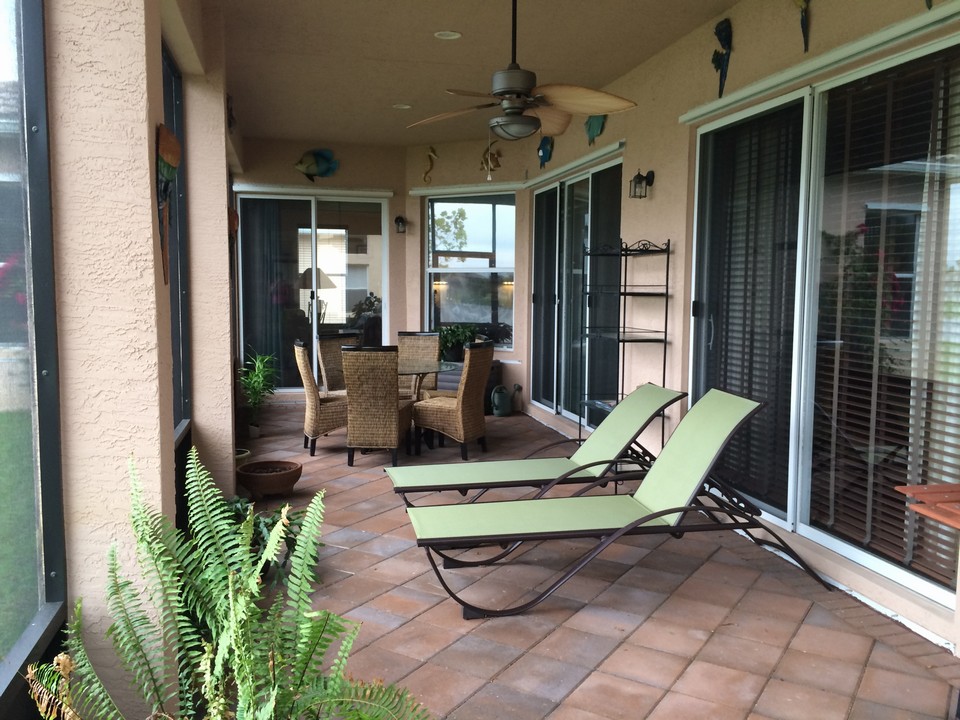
[(429, 394)]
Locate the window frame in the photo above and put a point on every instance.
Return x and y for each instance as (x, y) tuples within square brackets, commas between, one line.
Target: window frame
[(43, 631)]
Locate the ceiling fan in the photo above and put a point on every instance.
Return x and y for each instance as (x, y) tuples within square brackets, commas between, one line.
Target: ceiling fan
[(528, 107)]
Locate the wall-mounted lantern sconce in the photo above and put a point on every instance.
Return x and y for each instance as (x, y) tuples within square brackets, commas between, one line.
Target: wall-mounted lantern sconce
[(400, 223), (639, 184)]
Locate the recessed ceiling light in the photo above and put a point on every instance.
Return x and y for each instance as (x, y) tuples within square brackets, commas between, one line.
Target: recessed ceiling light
[(447, 35), (401, 106)]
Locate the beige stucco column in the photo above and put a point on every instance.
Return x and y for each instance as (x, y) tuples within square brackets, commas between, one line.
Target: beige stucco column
[(209, 254), (105, 100)]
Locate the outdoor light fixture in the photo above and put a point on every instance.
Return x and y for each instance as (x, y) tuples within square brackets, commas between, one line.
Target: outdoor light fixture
[(639, 184), (400, 223)]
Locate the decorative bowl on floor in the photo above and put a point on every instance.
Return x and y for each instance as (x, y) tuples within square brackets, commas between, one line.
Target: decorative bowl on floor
[(269, 477)]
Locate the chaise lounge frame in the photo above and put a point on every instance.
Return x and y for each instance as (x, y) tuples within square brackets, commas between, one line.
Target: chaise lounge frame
[(693, 502)]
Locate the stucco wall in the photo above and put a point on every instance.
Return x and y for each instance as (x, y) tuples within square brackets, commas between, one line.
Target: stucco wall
[(105, 100), (211, 338)]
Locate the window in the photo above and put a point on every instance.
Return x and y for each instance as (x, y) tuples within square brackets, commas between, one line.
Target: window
[(31, 526), (471, 243)]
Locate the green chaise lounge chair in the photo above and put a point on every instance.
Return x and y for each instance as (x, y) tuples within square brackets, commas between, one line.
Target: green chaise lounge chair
[(674, 497), (613, 440)]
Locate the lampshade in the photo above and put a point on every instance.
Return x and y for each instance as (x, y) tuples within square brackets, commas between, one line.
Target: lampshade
[(514, 127), (323, 281)]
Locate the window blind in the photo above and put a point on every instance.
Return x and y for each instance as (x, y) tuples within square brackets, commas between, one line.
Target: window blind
[(887, 382), (746, 292)]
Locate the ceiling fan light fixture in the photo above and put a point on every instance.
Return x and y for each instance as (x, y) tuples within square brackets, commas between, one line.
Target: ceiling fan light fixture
[(447, 35), (514, 127)]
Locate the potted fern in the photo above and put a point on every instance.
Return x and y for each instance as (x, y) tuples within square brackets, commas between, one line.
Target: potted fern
[(207, 639), (258, 378)]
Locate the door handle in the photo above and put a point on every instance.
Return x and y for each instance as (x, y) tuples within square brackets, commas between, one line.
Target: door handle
[(712, 328)]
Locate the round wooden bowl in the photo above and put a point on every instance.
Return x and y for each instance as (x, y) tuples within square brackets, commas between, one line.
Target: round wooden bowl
[(269, 477)]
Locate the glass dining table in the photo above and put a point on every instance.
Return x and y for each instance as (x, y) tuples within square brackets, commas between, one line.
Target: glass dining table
[(419, 369)]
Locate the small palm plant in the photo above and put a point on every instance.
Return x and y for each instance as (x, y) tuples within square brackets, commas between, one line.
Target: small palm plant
[(258, 378), (213, 644)]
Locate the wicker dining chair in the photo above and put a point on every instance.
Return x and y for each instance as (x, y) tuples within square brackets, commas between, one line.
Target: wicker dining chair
[(460, 418), (322, 414), (415, 346), (373, 420), (330, 362)]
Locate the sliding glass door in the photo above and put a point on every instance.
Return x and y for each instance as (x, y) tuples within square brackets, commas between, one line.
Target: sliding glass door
[(307, 266), (849, 331), (744, 303), (579, 214), (885, 404)]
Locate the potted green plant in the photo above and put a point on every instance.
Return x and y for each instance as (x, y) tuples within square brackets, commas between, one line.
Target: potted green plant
[(452, 338), (258, 378), (205, 638)]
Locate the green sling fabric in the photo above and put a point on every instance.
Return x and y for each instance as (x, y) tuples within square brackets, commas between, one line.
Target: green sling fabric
[(608, 441), (673, 481)]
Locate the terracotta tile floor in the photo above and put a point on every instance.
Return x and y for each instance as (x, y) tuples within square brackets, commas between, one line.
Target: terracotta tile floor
[(702, 627)]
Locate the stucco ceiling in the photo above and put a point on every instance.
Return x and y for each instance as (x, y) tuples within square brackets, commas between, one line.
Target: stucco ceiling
[(332, 70)]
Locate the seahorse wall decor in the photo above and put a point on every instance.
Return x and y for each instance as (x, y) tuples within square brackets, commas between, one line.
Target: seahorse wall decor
[(490, 160), (431, 156)]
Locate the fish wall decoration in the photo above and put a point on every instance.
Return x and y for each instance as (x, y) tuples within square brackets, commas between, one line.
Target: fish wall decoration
[(804, 7), (545, 150), (317, 163), (594, 127), (721, 58)]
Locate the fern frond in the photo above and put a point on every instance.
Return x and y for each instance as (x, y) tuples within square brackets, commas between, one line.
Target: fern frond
[(301, 580), (159, 555), (357, 700), (88, 696), (214, 531), (137, 639), (49, 688)]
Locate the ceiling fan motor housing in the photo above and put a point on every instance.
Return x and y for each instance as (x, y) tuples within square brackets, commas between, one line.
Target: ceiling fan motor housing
[(514, 80)]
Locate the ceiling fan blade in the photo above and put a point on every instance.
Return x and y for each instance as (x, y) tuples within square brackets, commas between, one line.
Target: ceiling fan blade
[(553, 121), (467, 93), (453, 114), (581, 100)]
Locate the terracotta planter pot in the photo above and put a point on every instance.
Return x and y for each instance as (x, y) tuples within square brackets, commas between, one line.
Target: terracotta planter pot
[(269, 477)]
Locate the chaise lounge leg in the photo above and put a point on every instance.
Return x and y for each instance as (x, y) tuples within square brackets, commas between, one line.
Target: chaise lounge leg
[(393, 455), (350, 457), (313, 446), (463, 451), (473, 613), (306, 439)]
